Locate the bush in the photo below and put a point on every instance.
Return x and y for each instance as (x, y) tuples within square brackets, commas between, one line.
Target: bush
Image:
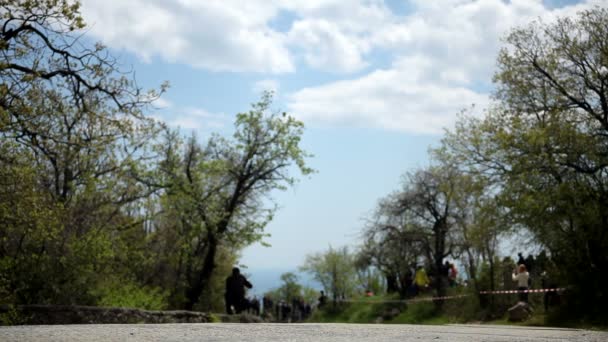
[(128, 294)]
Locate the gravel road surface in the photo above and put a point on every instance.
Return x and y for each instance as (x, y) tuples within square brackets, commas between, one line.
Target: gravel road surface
[(292, 332)]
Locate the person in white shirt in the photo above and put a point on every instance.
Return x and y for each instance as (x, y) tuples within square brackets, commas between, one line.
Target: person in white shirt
[(521, 276)]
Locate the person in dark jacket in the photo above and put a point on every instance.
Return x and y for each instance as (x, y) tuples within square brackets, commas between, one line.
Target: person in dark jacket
[(235, 292), (520, 259), (322, 300)]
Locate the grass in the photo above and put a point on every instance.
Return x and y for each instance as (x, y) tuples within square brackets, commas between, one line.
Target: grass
[(375, 310), (365, 310), (462, 310), (540, 319), (213, 318), (421, 313)]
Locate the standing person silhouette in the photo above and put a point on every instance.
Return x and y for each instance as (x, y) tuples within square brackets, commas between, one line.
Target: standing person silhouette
[(322, 300), (521, 276), (520, 259), (235, 292)]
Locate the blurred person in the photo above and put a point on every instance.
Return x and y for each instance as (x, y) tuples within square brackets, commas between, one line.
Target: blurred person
[(452, 275), (421, 279), (235, 292), (521, 276), (322, 300)]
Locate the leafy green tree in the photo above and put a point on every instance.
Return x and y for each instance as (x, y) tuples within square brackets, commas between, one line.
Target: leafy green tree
[(481, 222), (389, 246), (334, 269), (29, 235), (41, 47), (217, 192), (290, 289), (427, 203), (369, 277), (72, 124), (545, 144)]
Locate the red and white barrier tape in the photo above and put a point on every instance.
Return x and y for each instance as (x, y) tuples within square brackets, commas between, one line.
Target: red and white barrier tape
[(413, 300), (431, 299), (427, 299), (523, 291)]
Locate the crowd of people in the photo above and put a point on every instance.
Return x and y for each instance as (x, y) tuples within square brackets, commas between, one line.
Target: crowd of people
[(297, 310), (416, 281), (237, 303)]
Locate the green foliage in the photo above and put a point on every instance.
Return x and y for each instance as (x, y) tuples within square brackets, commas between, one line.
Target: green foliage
[(214, 318), (553, 111), (310, 295), (89, 219), (379, 309), (129, 294), (71, 131), (363, 310), (371, 279), (420, 313), (334, 270), (212, 298), (290, 289), (12, 316), (95, 208), (216, 194), (29, 238), (534, 165)]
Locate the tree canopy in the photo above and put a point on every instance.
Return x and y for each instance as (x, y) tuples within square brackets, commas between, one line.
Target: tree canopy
[(535, 164), (103, 205)]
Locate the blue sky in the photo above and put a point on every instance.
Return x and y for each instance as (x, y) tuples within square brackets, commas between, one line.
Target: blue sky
[(375, 82)]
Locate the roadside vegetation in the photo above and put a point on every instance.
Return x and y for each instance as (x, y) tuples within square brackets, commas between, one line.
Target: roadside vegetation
[(385, 309)]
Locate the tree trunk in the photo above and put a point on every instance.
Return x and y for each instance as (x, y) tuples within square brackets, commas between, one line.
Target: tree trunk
[(492, 284), (405, 281), (440, 280), (195, 288), (440, 232), (472, 269), (391, 283)]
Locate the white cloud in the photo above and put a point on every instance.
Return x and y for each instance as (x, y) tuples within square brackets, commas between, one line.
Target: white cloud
[(393, 99), (214, 35), (162, 103), (442, 53), (191, 118), (334, 35), (234, 35), (266, 85), (327, 47), (351, 16), (444, 56), (460, 38)]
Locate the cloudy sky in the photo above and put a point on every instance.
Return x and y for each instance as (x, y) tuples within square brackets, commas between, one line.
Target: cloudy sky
[(375, 81)]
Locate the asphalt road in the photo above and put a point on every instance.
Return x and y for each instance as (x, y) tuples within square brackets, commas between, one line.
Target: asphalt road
[(293, 332)]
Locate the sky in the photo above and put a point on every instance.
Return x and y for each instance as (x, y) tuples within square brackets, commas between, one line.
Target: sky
[(376, 82)]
